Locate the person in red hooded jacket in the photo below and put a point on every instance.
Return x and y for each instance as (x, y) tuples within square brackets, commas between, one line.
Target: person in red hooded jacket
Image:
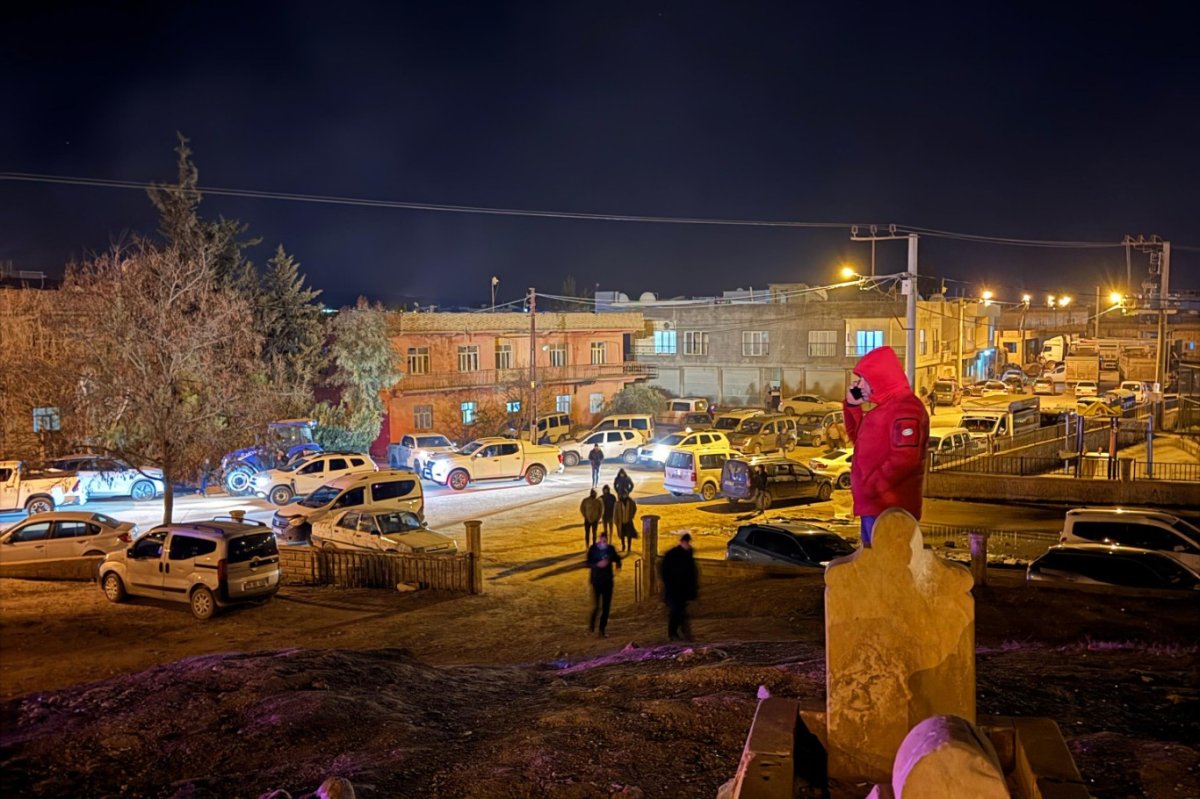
[(890, 440)]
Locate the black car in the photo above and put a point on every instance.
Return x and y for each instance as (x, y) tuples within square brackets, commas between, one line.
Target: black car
[(793, 544), (786, 480), (1101, 564)]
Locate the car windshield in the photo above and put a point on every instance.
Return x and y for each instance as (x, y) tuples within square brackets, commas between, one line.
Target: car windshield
[(751, 426), (470, 448), (294, 465), (400, 522), (825, 548), (321, 497), (809, 418), (433, 441), (1187, 529), (672, 439), (943, 386), (978, 425)]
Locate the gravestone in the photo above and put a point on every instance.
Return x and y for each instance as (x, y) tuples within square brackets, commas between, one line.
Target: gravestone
[(899, 647)]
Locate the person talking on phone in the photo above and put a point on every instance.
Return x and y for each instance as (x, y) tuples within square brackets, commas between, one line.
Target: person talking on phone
[(890, 439)]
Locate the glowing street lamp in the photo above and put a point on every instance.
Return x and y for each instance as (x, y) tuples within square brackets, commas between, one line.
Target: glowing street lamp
[(1064, 302), (848, 272), (1025, 298), (1116, 298), (1050, 300), (987, 297)]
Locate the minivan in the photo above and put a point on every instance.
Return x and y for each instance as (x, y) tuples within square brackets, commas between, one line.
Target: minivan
[(730, 422), (390, 490), (766, 433), (813, 428), (681, 406), (1141, 529), (641, 422), (693, 472), (946, 392), (951, 442), (551, 428)]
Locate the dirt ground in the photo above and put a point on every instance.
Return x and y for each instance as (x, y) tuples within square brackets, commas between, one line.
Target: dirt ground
[(507, 695)]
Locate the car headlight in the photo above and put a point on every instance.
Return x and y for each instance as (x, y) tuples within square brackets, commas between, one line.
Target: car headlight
[(262, 479), (660, 452), (295, 521)]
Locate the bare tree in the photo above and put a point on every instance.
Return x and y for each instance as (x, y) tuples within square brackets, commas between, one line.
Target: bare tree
[(171, 375)]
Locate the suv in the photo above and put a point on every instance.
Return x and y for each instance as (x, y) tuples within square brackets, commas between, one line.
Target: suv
[(621, 444), (64, 534), (208, 565), (766, 433), (302, 477), (1142, 529), (820, 426), (415, 450), (392, 490), (791, 544), (108, 477), (655, 453)]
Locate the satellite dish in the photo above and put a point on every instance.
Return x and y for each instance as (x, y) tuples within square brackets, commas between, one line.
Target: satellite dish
[(622, 297), (647, 296)]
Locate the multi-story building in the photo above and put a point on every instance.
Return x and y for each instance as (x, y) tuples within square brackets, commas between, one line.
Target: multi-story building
[(735, 349), (468, 374)]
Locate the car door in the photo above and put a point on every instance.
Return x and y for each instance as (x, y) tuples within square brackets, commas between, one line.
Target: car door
[(26, 542), (69, 538), (509, 459), (614, 444), (309, 477), (181, 569), (774, 546), (119, 476), (335, 468), (366, 536), (144, 564), (487, 463), (343, 531)]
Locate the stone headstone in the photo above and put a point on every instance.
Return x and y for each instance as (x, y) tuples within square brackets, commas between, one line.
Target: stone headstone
[(947, 756), (899, 647)]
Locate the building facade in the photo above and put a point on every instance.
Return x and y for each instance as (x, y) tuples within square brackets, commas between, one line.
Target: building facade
[(468, 374)]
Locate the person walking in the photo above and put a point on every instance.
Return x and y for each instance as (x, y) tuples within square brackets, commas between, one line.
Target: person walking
[(601, 558), (762, 497), (596, 457), (890, 440), (932, 400), (591, 508), (679, 586), (624, 514), (609, 501), (623, 484)]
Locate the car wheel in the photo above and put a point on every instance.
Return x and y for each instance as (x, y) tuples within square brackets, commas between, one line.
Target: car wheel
[(458, 479), (328, 546), (816, 441), (203, 604), (630, 456), (824, 492), (142, 490), (39, 505), (237, 481), (281, 495), (844, 481), (570, 458), (535, 474), (789, 411), (708, 492), (114, 589), (676, 494)]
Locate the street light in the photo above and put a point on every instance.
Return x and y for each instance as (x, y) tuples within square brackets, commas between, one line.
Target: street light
[(909, 287), (987, 298)]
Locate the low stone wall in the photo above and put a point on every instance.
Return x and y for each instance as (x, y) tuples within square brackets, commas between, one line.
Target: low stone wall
[(306, 566), (1061, 490), (78, 569), (740, 570)]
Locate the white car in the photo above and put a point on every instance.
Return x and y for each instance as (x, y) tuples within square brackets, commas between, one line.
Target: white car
[(621, 444), (1140, 392), (302, 477), (835, 466), (655, 453), (994, 388), (109, 477), (64, 534), (798, 404), (1086, 388), (416, 449), (1131, 527), (379, 530)]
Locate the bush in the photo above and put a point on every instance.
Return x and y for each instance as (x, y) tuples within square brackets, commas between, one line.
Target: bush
[(637, 399)]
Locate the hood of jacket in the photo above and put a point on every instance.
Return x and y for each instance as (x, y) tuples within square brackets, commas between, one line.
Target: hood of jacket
[(882, 369)]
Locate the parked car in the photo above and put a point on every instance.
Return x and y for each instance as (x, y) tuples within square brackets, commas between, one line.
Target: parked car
[(834, 465), (37, 491), (974, 389), (1140, 393), (820, 427), (951, 442), (694, 472), (946, 392), (679, 407), (655, 453), (786, 480), (551, 428), (1103, 564), (785, 543), (494, 459), (642, 423), (64, 534), (731, 421), (1016, 382), (1086, 388), (208, 565), (110, 477), (771, 432), (1044, 385), (306, 475), (386, 530), (802, 403), (1141, 529), (393, 490), (697, 421), (417, 448), (621, 444), (993, 388)]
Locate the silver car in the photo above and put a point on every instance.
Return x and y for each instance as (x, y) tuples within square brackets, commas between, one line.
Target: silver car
[(109, 477), (64, 534), (380, 530), (787, 544)]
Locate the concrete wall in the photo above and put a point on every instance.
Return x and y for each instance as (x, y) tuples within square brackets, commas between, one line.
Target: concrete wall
[(1061, 490), (81, 569)]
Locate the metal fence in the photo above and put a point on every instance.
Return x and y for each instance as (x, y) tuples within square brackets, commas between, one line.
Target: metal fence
[(1179, 472), (386, 570), (1012, 466)]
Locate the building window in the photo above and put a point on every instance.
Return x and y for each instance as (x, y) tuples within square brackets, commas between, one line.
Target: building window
[(418, 360), (468, 358), (46, 420), (867, 340), (423, 417), (937, 345), (558, 354), (664, 342), (695, 342), (503, 355), (756, 342), (513, 406), (595, 403), (921, 346), (562, 403), (468, 412), (599, 353), (822, 343)]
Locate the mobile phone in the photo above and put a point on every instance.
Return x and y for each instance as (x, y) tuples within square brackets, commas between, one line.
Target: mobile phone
[(856, 392)]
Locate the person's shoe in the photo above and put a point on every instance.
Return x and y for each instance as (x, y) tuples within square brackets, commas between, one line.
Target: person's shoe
[(603, 634)]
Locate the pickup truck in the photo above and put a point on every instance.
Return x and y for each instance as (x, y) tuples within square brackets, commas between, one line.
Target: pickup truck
[(493, 459), (37, 492)]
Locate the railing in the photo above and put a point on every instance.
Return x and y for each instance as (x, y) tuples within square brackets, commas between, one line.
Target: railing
[(386, 570), (441, 381), (1007, 466), (1177, 472)]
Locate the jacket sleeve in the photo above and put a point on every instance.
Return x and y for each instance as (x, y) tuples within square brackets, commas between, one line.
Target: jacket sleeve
[(853, 415)]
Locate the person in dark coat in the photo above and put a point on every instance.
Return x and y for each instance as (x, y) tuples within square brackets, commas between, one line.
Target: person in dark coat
[(624, 513), (761, 481), (623, 484), (609, 500), (596, 457), (679, 587), (601, 558), (591, 508)]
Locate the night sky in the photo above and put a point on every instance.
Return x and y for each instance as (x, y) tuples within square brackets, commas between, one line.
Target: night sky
[(1077, 123)]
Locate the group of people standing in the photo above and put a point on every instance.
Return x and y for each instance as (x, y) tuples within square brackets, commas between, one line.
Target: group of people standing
[(613, 510)]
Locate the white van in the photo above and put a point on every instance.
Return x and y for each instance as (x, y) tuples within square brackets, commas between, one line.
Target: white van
[(680, 407), (695, 472), (389, 490), (949, 443), (641, 422), (1140, 529)]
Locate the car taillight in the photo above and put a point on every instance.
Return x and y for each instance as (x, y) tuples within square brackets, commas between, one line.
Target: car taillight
[(221, 571), (693, 478), (560, 457), (123, 538)]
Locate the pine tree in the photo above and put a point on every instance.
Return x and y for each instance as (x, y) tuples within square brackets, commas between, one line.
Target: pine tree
[(288, 317)]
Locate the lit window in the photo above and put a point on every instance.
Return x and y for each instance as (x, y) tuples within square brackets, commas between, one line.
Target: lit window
[(418, 360), (562, 403), (468, 412), (503, 355), (512, 406), (867, 340), (423, 417), (756, 342), (921, 347), (468, 358), (664, 342), (695, 342)]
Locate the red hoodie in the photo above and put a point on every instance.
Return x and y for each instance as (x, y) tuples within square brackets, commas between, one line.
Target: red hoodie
[(890, 440)]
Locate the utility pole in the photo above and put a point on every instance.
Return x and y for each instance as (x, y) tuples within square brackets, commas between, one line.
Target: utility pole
[(532, 365), (908, 286), (958, 364)]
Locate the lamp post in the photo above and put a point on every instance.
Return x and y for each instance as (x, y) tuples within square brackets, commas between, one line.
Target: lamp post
[(908, 286)]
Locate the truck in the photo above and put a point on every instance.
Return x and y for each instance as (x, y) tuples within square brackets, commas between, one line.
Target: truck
[(1056, 348), (494, 458), (286, 440), (21, 487), (991, 418), (1138, 367), (1082, 367)]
